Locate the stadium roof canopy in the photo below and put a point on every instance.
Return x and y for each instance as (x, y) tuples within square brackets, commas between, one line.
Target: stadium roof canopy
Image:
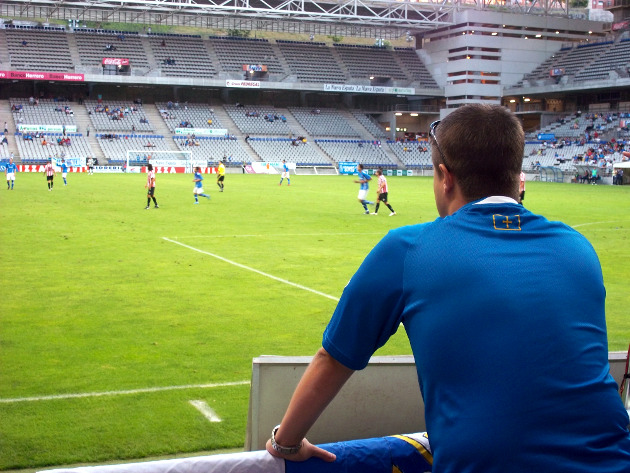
[(410, 16)]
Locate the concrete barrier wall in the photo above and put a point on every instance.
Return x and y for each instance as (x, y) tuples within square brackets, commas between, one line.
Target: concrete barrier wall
[(383, 399)]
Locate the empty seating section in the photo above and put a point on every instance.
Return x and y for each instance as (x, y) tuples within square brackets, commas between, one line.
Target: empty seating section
[(255, 120), (370, 125), (365, 61), (48, 49), (34, 150), (277, 149), (359, 151), (4, 149), (574, 62), (182, 56), (311, 62), (213, 149), (39, 50), (197, 115), (46, 112), (115, 146), (581, 56), (93, 48), (616, 58), (233, 53), (416, 68), (412, 153), (542, 72), (325, 122), (117, 116)]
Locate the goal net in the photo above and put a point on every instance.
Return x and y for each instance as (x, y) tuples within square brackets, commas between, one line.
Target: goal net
[(161, 158)]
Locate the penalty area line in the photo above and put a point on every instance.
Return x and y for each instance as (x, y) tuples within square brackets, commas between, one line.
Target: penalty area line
[(248, 268), (120, 393)]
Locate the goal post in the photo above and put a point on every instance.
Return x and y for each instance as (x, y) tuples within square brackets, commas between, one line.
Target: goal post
[(163, 158)]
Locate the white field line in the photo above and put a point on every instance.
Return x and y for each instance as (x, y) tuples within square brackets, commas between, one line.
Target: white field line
[(248, 268), (120, 393), (592, 223), (282, 235), (206, 410)]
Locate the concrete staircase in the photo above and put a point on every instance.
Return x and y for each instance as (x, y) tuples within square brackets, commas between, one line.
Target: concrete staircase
[(153, 115), (7, 116), (82, 119), (230, 126)]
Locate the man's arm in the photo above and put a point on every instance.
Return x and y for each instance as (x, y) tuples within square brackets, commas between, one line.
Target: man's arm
[(320, 383)]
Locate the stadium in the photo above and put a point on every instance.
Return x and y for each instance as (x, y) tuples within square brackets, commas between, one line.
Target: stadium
[(131, 337)]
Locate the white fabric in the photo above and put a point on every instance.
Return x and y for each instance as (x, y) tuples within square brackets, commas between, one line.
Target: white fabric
[(245, 462)]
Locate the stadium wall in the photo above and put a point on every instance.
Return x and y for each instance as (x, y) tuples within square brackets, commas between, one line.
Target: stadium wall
[(383, 399)]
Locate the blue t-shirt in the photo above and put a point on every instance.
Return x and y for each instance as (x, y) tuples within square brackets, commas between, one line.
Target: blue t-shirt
[(64, 167), (11, 167), (364, 177), (505, 314), (198, 182), (285, 168)]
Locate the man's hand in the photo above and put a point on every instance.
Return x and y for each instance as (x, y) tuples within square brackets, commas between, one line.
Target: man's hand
[(307, 451)]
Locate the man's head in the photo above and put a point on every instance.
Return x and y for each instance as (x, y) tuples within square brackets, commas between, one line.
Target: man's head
[(481, 147), (360, 167), (379, 172), (150, 167)]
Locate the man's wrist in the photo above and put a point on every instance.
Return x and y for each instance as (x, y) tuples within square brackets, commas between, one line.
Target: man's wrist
[(281, 449)]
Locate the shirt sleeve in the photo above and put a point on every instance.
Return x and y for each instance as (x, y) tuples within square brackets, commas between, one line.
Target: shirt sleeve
[(370, 309)]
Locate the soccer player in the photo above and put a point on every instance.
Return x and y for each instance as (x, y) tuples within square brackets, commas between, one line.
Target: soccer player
[(64, 171), (505, 313), (285, 173), (198, 189), (521, 187), (49, 170), (10, 171), (381, 193), (363, 179), (221, 176), (150, 185)]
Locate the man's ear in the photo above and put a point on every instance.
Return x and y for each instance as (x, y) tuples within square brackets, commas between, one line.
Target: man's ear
[(447, 181)]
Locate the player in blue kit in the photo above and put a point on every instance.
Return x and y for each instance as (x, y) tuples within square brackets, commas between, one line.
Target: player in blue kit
[(363, 179), (505, 313), (10, 170), (285, 173), (64, 172), (198, 189)]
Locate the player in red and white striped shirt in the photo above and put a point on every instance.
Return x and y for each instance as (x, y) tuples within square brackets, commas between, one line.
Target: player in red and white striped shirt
[(381, 193), (150, 186), (49, 170)]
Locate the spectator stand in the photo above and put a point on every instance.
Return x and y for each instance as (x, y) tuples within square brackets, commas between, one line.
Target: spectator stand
[(294, 150), (118, 117), (413, 154), (181, 55), (115, 145), (367, 152), (214, 149), (259, 120), (188, 115), (33, 151)]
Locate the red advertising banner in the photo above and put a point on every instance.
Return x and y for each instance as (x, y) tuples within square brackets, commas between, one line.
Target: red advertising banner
[(40, 168), (30, 75), (115, 61)]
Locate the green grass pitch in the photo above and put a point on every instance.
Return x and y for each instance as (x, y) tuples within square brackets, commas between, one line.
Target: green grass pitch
[(99, 296)]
